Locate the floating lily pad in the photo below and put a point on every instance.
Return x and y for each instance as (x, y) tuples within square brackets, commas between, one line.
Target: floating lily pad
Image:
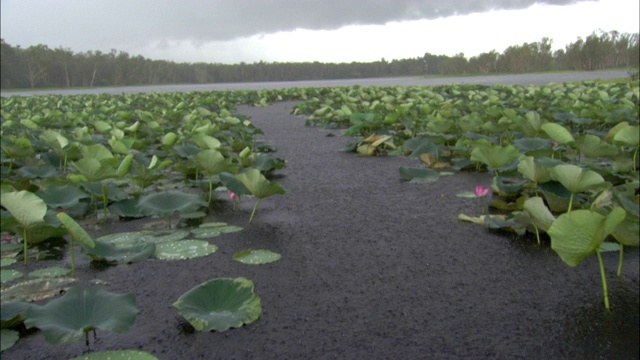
[(50, 272), (125, 239), (6, 262), (7, 275), (220, 304), (213, 229), (117, 355), (184, 249), (256, 257), (467, 194), (36, 289), (165, 204), (120, 255)]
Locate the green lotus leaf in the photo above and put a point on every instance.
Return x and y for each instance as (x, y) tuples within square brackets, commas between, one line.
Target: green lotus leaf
[(65, 196), (578, 234), (169, 139), (539, 213), (577, 179), (220, 304), (36, 289), (117, 355), (125, 166), (127, 208), (266, 162), (258, 184), (81, 310), (96, 151), (55, 140), (111, 254), (495, 156), (419, 175), (627, 136), (7, 275), (9, 337), (50, 272), (531, 145), (558, 133), (212, 162), (533, 170), (91, 169), (165, 204), (205, 141), (256, 257), (26, 207), (6, 262), (184, 249), (40, 171), (232, 183), (11, 313), (592, 146), (419, 145), (626, 233), (75, 230)]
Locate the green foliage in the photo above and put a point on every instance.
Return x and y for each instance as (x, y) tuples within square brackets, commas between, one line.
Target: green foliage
[(220, 304), (81, 310)]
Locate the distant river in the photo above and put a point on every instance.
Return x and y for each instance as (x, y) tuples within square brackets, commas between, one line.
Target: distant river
[(518, 79)]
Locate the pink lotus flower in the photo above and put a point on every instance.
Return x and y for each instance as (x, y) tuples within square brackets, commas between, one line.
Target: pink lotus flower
[(481, 191), (232, 195)]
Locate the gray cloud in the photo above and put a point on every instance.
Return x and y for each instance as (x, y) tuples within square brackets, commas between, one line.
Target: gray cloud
[(133, 23)]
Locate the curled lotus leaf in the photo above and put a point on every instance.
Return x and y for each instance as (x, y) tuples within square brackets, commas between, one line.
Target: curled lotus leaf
[(220, 304)]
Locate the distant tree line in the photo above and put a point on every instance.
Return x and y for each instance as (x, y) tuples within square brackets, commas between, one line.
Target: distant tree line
[(40, 66)]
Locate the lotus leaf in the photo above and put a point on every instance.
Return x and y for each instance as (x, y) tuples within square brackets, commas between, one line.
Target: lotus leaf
[(420, 175), (495, 156), (578, 234), (7, 275), (81, 310), (117, 355), (11, 313), (36, 289), (9, 337), (50, 272), (165, 204), (6, 262), (220, 304), (65, 196), (627, 136), (533, 170), (40, 171), (29, 211), (577, 179), (539, 213), (251, 181), (592, 146), (111, 254), (558, 133), (256, 257), (184, 249)]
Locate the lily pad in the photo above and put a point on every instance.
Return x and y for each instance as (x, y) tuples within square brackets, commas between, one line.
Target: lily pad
[(7, 275), (256, 257), (184, 249), (36, 289), (165, 204), (420, 175), (6, 262), (50, 272), (112, 254), (81, 310), (117, 355), (220, 304)]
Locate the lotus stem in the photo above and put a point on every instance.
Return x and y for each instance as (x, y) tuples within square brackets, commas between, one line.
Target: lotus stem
[(604, 281), (635, 158), (210, 191), (24, 240), (620, 261), (73, 256), (537, 233), (254, 210), (570, 203), (104, 201)]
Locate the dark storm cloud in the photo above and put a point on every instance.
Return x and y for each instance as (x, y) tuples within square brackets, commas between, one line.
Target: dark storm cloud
[(229, 19), (126, 23)]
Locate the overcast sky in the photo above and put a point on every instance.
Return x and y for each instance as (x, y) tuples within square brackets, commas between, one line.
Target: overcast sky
[(231, 31)]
